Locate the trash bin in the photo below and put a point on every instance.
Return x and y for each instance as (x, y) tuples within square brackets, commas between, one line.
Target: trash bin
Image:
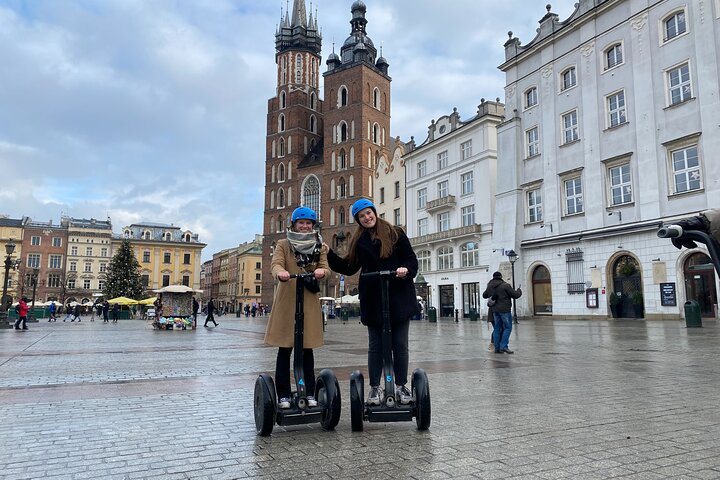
[(692, 314), (473, 315), (432, 314)]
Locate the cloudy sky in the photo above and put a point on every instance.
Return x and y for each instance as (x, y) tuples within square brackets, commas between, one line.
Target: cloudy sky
[(155, 110)]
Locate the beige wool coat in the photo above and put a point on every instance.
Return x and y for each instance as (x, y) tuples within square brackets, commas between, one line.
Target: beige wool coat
[(281, 325)]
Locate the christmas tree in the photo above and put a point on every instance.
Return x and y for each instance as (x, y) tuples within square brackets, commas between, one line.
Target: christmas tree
[(123, 275)]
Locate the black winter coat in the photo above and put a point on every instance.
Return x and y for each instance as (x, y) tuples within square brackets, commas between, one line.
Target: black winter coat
[(403, 300), (504, 292)]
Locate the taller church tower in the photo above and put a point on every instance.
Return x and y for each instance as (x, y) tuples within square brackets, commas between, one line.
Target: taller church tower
[(322, 154)]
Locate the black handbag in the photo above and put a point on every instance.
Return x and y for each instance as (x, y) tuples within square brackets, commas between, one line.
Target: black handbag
[(312, 284)]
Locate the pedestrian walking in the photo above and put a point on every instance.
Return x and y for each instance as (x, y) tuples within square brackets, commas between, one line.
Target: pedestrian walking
[(501, 295), (22, 311), (115, 312), (105, 311), (76, 314), (210, 313), (51, 312), (195, 308), (68, 312), (300, 252), (247, 311), (93, 310), (377, 245)]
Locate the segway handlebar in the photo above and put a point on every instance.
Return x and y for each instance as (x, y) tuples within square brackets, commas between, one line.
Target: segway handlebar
[(670, 231), (302, 275), (381, 273)]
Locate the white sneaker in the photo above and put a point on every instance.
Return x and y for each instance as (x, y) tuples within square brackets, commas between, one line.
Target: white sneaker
[(311, 401), (284, 403), (402, 394), (374, 396)]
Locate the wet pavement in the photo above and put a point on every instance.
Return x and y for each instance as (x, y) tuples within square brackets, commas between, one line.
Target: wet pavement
[(578, 399)]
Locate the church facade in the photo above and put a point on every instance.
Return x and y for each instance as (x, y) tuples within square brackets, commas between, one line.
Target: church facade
[(322, 153)]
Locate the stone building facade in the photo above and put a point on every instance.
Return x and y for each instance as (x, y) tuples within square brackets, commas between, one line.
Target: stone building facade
[(611, 132)]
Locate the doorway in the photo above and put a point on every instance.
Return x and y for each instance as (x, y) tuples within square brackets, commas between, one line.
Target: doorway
[(700, 283), (542, 291), (447, 301), (627, 281), (470, 296)]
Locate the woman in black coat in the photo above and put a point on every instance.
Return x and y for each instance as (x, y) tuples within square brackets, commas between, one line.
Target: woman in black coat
[(377, 245)]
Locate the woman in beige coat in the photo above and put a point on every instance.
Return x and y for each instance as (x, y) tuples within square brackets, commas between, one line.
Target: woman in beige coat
[(300, 252)]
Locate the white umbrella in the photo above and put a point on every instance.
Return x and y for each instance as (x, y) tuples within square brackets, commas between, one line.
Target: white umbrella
[(176, 289)]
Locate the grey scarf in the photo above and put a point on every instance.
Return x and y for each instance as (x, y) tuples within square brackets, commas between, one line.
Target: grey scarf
[(305, 246)]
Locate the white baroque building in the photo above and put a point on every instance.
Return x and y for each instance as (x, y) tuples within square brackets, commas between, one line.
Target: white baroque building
[(612, 129), (450, 193)]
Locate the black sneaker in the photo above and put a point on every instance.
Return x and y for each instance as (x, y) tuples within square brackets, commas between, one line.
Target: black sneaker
[(508, 351)]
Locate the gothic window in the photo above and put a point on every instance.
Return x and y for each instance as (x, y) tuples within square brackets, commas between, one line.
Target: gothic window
[(376, 98), (281, 173), (341, 216), (311, 193), (313, 125), (281, 198), (343, 132), (298, 68), (342, 160), (342, 189), (283, 99), (281, 123), (283, 71), (281, 144), (342, 97), (376, 134), (313, 101)]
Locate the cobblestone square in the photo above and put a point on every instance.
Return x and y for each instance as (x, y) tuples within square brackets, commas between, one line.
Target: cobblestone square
[(578, 399)]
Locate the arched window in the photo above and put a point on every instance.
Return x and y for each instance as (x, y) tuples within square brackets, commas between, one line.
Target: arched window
[(341, 216), (187, 237), (272, 174), (342, 97), (376, 134), (470, 254), (168, 236), (376, 98), (423, 257), (146, 235), (127, 233), (313, 101), (342, 188), (283, 71), (342, 160), (272, 198), (311, 193), (281, 198), (542, 291), (289, 171), (283, 99), (445, 258), (332, 216), (343, 132), (281, 144), (281, 123), (298, 68), (281, 172), (313, 124)]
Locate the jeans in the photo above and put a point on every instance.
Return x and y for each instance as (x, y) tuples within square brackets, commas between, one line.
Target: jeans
[(400, 355), (282, 372), (503, 327)]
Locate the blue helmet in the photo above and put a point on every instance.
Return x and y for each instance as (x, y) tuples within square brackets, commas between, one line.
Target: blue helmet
[(303, 212), (362, 204)]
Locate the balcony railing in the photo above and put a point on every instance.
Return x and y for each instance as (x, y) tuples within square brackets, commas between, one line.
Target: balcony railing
[(440, 203), (452, 233)]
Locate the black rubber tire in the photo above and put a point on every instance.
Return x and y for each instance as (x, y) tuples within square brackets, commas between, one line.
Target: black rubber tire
[(265, 405), (421, 391), (328, 394), (357, 404)]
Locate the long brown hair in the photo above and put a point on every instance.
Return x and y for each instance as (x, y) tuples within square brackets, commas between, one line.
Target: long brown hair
[(383, 231)]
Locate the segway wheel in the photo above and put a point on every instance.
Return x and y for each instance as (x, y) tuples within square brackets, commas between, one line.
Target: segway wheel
[(328, 394), (421, 391), (357, 404), (264, 402)]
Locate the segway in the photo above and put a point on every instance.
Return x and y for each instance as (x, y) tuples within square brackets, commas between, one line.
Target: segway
[(390, 409), (677, 231), (327, 390)]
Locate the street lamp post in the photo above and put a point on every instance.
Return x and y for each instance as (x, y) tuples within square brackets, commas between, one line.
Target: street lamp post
[(512, 256), (35, 273), (9, 263)]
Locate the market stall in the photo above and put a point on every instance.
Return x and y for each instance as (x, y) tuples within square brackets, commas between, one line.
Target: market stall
[(176, 311)]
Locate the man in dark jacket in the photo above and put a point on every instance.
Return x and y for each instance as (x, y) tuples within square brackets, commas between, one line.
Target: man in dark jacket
[(210, 313), (502, 294)]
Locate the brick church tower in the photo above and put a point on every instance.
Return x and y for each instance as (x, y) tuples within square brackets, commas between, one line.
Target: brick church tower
[(322, 154)]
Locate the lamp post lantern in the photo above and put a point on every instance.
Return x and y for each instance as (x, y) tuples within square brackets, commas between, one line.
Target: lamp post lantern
[(9, 263), (512, 256)]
